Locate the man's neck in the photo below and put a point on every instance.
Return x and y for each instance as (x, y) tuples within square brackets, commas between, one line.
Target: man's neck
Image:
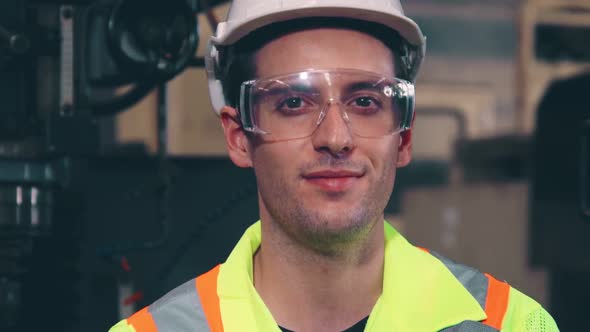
[(307, 291)]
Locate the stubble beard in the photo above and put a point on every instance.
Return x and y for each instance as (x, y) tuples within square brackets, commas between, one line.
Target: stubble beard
[(326, 232)]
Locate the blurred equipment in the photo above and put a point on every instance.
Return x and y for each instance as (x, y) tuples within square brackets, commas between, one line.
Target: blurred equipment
[(585, 169), (560, 216), (554, 44), (147, 43), (154, 40), (64, 66), (555, 80)]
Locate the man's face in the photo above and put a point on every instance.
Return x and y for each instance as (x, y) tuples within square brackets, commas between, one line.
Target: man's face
[(333, 185)]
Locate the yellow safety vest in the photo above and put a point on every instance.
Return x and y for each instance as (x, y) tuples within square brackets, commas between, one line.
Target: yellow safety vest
[(422, 292)]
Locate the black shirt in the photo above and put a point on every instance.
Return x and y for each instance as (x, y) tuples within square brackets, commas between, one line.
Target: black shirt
[(358, 327)]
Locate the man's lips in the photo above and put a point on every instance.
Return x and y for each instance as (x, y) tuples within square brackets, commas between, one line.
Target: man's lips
[(333, 180)]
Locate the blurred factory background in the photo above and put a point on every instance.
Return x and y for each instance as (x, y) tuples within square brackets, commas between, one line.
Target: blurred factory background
[(115, 186)]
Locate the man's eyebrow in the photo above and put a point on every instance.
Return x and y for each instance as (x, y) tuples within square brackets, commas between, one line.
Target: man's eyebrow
[(274, 89), (283, 88), (362, 85)]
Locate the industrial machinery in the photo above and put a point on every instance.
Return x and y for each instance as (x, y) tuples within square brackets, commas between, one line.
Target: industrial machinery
[(66, 67)]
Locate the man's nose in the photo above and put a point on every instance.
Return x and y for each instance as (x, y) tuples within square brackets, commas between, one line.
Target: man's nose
[(333, 132)]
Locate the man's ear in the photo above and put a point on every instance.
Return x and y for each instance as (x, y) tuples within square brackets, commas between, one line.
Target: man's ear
[(236, 141), (404, 151)]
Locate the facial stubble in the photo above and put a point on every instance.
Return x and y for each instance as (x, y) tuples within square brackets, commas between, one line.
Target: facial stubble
[(326, 232)]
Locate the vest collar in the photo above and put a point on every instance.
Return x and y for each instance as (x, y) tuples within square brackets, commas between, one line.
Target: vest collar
[(419, 292)]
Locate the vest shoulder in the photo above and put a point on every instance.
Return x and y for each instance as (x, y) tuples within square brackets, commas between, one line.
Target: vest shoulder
[(464, 273), (523, 313), (185, 295), (179, 310), (526, 314), (181, 293)]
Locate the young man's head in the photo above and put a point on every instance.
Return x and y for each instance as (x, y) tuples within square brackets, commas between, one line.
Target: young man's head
[(320, 124)]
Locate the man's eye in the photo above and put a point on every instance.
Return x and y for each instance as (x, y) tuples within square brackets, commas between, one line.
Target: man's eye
[(293, 106), (365, 105), (364, 102), (293, 102)]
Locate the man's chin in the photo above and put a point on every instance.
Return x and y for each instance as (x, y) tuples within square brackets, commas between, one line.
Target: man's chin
[(336, 224)]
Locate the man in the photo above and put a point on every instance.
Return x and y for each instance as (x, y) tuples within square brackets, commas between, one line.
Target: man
[(317, 97)]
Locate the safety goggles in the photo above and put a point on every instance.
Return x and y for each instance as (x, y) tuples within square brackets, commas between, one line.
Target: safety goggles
[(292, 106)]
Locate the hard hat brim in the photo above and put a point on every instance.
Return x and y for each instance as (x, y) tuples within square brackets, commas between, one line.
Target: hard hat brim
[(235, 31)]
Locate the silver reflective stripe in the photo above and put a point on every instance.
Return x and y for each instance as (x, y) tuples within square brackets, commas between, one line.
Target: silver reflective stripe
[(473, 280), (180, 310), (470, 326), (477, 284)]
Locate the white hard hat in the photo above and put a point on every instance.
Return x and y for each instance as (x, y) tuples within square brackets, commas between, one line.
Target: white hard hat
[(245, 16)]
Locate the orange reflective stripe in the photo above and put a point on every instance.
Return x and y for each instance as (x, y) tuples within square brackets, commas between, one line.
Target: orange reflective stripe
[(142, 321), (424, 249), (206, 285), (496, 302)]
